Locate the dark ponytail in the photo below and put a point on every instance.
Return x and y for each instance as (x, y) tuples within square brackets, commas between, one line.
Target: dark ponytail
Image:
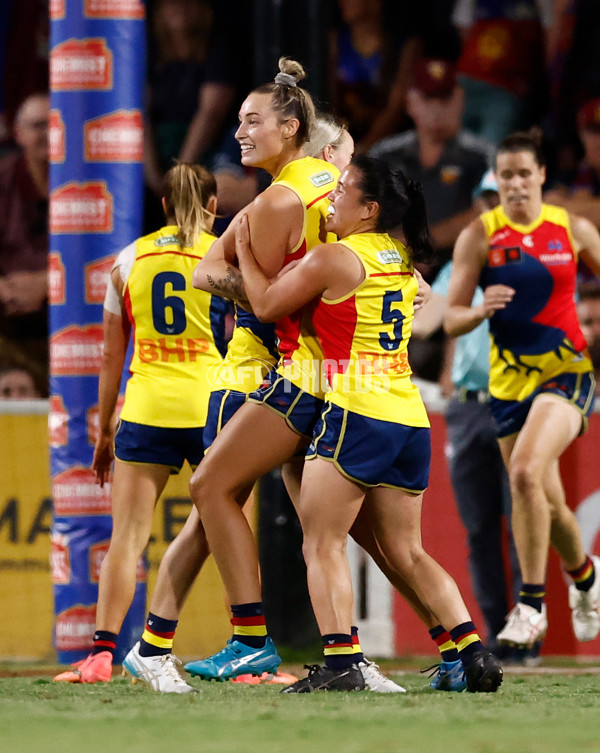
[(524, 141), (414, 224), (401, 203)]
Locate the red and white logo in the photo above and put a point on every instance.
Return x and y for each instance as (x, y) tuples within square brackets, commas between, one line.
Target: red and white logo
[(131, 9), (56, 137), (81, 208), (58, 9), (117, 137), (75, 628), (56, 278), (77, 351), (58, 422), (81, 64), (97, 553), (93, 419), (60, 565), (97, 274), (76, 492)]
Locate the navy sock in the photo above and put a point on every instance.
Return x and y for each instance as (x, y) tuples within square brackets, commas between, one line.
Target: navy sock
[(104, 641), (157, 638)]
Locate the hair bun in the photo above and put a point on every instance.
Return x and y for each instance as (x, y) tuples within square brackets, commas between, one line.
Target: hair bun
[(286, 79)]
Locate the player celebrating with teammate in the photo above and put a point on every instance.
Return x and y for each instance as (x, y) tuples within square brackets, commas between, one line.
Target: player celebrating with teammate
[(371, 444)]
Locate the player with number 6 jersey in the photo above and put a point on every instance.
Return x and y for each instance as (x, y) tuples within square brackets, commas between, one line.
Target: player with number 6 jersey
[(176, 332)]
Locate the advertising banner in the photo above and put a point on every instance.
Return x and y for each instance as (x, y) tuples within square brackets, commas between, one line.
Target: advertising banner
[(97, 76)]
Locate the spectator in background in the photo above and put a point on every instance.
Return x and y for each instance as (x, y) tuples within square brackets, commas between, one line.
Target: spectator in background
[(17, 383), (588, 312), (578, 189), (191, 87), (24, 241), (372, 51), (448, 162), (501, 67), (574, 67), (24, 39)]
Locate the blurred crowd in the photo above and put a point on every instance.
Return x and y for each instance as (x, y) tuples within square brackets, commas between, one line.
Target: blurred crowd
[(431, 86)]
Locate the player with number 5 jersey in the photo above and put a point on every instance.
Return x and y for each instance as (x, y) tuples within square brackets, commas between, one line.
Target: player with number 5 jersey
[(371, 445)]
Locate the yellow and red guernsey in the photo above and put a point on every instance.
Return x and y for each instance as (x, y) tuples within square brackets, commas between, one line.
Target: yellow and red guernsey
[(364, 335)]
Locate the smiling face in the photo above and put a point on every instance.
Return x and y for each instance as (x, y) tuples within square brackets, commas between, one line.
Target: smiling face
[(520, 180), (261, 136), (348, 213)]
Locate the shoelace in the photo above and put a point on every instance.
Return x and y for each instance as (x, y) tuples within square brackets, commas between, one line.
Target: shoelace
[(170, 663), (312, 669), (435, 669)]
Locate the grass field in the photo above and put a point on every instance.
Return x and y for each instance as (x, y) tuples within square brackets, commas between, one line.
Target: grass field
[(554, 710)]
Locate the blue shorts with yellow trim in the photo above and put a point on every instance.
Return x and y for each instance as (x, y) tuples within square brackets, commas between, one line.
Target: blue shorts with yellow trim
[(578, 389), (373, 452), (139, 443), (300, 409), (222, 404)]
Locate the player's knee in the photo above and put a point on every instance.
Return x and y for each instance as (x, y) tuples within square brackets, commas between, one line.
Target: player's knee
[(525, 477)]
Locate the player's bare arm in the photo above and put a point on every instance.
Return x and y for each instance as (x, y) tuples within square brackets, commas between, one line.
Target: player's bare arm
[(331, 270), (587, 242), (470, 253), (271, 215)]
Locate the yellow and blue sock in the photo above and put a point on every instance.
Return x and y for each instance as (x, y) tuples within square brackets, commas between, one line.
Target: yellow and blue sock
[(444, 643), (584, 576), (467, 641), (104, 641), (338, 651), (158, 636), (249, 624), (533, 595)]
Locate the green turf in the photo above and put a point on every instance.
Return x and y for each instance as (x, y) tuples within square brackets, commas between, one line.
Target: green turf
[(553, 713)]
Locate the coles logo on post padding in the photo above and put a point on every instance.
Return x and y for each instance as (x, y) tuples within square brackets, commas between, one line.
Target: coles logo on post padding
[(131, 9), (77, 350), (75, 628), (116, 137), (56, 137), (56, 278), (76, 492), (81, 64), (81, 208), (58, 9), (97, 274), (58, 422), (60, 565)]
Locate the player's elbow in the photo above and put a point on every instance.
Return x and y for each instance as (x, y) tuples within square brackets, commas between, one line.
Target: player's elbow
[(450, 323), (265, 312)]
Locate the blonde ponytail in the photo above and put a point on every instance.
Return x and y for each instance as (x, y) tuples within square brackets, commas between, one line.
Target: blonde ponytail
[(187, 191)]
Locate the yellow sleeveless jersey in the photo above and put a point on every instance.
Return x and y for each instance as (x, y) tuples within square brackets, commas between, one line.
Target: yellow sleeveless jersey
[(312, 180), (251, 354), (537, 336), (364, 335), (174, 328)]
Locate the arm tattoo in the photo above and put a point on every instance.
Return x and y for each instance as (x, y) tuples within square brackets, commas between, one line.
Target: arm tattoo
[(230, 285)]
